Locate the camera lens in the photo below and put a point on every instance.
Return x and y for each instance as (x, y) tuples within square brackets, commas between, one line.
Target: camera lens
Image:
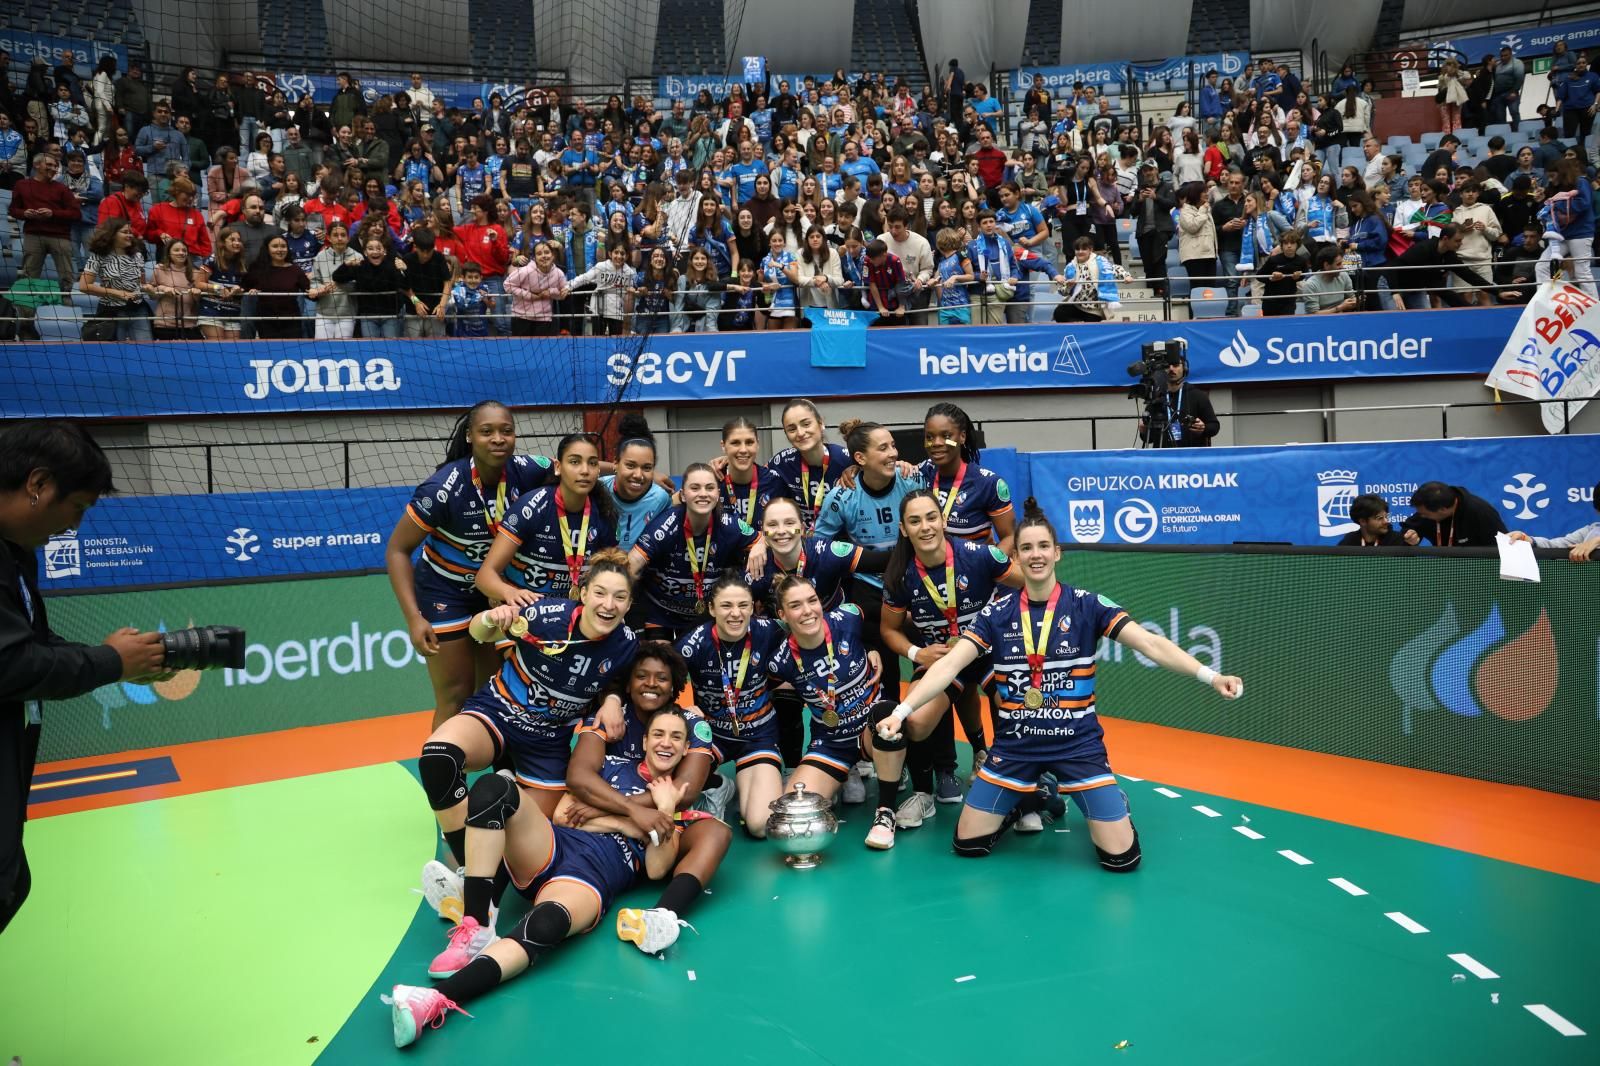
[(203, 648)]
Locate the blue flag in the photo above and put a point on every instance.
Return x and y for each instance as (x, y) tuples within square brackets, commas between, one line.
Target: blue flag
[(839, 338)]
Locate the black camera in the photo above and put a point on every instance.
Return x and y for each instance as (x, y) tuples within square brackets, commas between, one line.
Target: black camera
[(1156, 359), (203, 648)]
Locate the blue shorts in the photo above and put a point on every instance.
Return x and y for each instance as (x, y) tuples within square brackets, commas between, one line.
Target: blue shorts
[(595, 861), (446, 606), (955, 316), (539, 759), (835, 755), (752, 746), (1002, 780)]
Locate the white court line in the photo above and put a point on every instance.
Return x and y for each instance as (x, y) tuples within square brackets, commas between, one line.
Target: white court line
[(1207, 811), (1552, 1019), (1473, 966), (1129, 777), (969, 977), (1405, 923), (1295, 857), (1246, 831), (691, 975), (1167, 792), (1353, 889)]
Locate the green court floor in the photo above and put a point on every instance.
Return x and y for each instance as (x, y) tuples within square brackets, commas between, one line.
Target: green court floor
[(259, 924)]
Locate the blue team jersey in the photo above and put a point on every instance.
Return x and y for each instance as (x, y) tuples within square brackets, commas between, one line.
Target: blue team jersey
[(745, 174), (870, 519), (670, 594), (846, 684), (952, 295), (469, 309), (628, 778), (460, 516), (1066, 725), (749, 502), (548, 680), (1020, 222), (714, 667), (474, 181), (303, 248), (978, 570), (774, 267), (634, 515), (629, 750), (981, 497), (828, 564), (540, 562), (419, 170), (786, 182), (806, 483)]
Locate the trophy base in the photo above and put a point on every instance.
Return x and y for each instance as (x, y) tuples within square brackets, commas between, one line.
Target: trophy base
[(801, 862)]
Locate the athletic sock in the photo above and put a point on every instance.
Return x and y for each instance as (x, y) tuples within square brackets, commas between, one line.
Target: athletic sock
[(919, 761), (480, 893), (456, 841), (680, 893), (942, 744), (471, 981), (888, 793)]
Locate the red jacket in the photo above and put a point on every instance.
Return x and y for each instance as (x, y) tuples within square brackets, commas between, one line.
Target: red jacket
[(334, 212), (485, 245), (185, 224), (31, 194), (117, 206)]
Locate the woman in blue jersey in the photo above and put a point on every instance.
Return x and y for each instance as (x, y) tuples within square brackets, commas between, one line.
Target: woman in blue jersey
[(633, 487), (549, 537), (1042, 642), (746, 487), (827, 660), (453, 517), (727, 659), (683, 550), (937, 585), (572, 873), (654, 681), (976, 503), (526, 714), (810, 466)]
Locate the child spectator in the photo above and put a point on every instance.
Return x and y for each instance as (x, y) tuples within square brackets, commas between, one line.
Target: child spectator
[(955, 274), (534, 288), (335, 302), (654, 294), (614, 281), (470, 303)]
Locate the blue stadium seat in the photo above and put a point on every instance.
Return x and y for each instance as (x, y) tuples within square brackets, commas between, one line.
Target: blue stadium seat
[(1208, 302), (58, 323)]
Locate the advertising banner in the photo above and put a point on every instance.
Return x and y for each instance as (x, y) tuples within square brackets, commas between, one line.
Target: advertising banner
[(318, 651), (1426, 662), (24, 45), (454, 93), (1523, 41), (1553, 354), (1115, 71), (214, 378), (1300, 494)]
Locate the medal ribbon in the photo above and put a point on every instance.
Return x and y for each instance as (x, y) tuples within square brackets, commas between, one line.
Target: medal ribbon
[(498, 511), (1035, 653), (810, 499), (755, 482), (732, 683), (558, 648), (833, 677), (574, 552), (955, 490), (697, 562), (947, 606)]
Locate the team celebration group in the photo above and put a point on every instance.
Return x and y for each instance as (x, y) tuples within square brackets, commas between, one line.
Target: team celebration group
[(563, 606)]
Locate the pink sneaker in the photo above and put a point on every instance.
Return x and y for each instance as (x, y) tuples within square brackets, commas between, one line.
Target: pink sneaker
[(467, 940), (414, 1009)]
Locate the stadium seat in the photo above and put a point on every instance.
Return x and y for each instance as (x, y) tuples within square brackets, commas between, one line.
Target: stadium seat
[(1431, 139), (1208, 303), (58, 323), (1498, 129), (1125, 230)]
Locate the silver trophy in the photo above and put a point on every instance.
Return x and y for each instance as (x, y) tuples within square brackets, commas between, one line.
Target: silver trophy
[(802, 825)]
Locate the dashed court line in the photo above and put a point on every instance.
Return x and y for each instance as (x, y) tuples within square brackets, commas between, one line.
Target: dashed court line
[(1295, 857), (1353, 889), (1552, 1019), (1473, 966)]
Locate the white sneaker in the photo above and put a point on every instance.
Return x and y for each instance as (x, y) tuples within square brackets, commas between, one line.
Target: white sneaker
[(650, 930), (855, 791), (715, 801), (865, 768), (414, 1009), (914, 810), (881, 835), (1030, 823), (441, 887)]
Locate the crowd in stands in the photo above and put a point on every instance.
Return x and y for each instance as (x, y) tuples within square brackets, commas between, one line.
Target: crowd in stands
[(220, 208)]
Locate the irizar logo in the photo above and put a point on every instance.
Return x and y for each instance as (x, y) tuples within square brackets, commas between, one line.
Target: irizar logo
[(1239, 352), (242, 545), (1336, 490), (1087, 520), (320, 375), (62, 555), (1528, 494)]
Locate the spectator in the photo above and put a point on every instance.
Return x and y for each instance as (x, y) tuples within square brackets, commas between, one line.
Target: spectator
[(89, 191), (277, 283), (132, 98), (1228, 216), (887, 284), (1329, 290), (128, 204), (1572, 218), (222, 288), (1197, 235), (347, 102), (199, 160), (1211, 104), (47, 210), (915, 255), (1550, 150), (1451, 95), (1281, 274), (819, 274), (1583, 541), (1442, 156), (335, 301), (991, 163), (1449, 516), (1424, 266), (613, 281), (114, 274), (218, 122), (227, 179), (1369, 239), (987, 107), (175, 284), (380, 289), (954, 90), (469, 303), (484, 241), (535, 286), (1480, 232), (1089, 285), (1321, 216), (1517, 271), (1505, 105), (64, 115), (1190, 420), (13, 153), (160, 142), (1371, 516), (1577, 96), (372, 154), (429, 273)]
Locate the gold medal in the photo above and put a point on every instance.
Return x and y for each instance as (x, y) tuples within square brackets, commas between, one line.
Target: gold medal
[(699, 606), (952, 641), (1033, 699), (830, 718)]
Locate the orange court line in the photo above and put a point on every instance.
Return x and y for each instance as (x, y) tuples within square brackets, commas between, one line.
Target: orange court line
[(1543, 830)]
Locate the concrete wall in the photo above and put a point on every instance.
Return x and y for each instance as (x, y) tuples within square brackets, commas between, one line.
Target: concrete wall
[(432, 33), (983, 36), (808, 37), (196, 36), (594, 45)]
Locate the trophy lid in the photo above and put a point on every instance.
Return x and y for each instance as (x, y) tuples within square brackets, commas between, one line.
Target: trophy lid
[(799, 801)]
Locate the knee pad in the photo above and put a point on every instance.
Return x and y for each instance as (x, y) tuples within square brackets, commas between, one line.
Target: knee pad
[(980, 846), (443, 769), (877, 713), (493, 800), (1125, 863), (542, 928)]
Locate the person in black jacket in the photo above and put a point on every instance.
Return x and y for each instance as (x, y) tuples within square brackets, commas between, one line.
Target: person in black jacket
[(1371, 516), (381, 289), (50, 474), (1448, 516), (1190, 420)]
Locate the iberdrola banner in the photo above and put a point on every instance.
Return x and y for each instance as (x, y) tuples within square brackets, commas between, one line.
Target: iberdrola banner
[(1553, 354)]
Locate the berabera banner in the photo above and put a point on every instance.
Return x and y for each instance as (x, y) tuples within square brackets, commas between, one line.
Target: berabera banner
[(24, 45), (216, 378), (127, 541), (1300, 494), (1553, 354), (687, 86), (1114, 72), (454, 93)]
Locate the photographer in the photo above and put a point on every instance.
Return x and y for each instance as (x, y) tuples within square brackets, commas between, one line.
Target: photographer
[(50, 474), (1182, 417)]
